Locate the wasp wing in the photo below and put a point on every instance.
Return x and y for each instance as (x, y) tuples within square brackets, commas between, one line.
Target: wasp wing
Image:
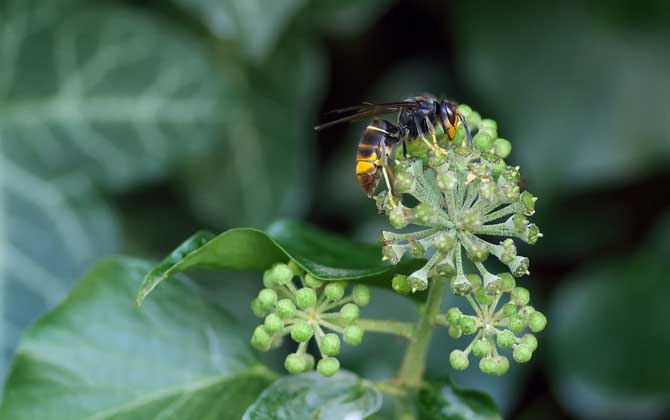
[(365, 111)]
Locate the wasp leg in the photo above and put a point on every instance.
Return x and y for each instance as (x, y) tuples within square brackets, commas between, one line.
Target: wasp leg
[(432, 146), (431, 130), (385, 172)]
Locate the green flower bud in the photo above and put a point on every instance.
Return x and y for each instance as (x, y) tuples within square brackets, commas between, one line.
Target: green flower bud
[(389, 254), (285, 308), (312, 282), (500, 366), (301, 332), (361, 294), (335, 290), (530, 341), (522, 353), (509, 309), (492, 284), (482, 297), (520, 222), (460, 285), (516, 323), (482, 347), (469, 325), (483, 141), (349, 313), (528, 201), (444, 269), (526, 310), (403, 182), (328, 366), (423, 213), (273, 323), (295, 268), (487, 191), (267, 278), (537, 321), (417, 281), (498, 168), (400, 284), (267, 298), (509, 192), (330, 344), (458, 360), (258, 309), (508, 282), (305, 297), (533, 234), (353, 335), (280, 274), (443, 242), (455, 331), (502, 148), (397, 217), (511, 174), (520, 296), (508, 251), (261, 339), (295, 363), (505, 339), (519, 266), (454, 316), (475, 280), (471, 221), (487, 365), (416, 250), (466, 112), (478, 252), (488, 124)]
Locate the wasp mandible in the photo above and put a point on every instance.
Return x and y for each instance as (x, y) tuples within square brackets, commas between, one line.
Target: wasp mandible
[(416, 117)]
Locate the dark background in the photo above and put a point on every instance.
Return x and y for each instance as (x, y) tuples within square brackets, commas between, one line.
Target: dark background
[(580, 88)]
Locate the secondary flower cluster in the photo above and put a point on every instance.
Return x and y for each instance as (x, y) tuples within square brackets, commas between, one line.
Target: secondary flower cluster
[(297, 304), (494, 328), (464, 194)]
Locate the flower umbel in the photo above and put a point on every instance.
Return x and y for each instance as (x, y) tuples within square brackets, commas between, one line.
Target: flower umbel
[(464, 195), (296, 304)]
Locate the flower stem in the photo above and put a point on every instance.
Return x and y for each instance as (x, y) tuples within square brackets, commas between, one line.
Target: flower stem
[(389, 327), (414, 362)]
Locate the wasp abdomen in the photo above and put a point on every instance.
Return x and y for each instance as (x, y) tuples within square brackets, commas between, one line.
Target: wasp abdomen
[(369, 156)]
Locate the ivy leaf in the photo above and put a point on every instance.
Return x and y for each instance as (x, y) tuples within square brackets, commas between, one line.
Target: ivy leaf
[(261, 171), (255, 24), (96, 355), (605, 117), (125, 97), (609, 336), (312, 396), (326, 256), (441, 400)]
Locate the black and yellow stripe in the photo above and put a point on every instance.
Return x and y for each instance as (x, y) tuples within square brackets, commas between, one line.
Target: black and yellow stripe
[(369, 155)]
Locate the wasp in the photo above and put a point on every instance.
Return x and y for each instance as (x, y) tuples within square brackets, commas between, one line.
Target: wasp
[(417, 116)]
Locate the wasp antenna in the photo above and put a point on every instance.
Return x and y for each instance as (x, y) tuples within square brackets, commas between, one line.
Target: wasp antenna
[(467, 130)]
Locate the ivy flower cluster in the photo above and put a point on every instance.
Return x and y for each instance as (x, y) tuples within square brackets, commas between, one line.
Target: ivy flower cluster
[(464, 194), (296, 304)]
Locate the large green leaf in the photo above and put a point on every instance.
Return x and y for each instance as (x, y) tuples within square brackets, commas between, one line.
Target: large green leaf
[(441, 400), (312, 396), (261, 171), (255, 25), (89, 94), (609, 335), (98, 356), (324, 255), (583, 107)]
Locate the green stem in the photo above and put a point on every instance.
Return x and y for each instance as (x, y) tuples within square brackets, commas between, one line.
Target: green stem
[(403, 329), (414, 363)]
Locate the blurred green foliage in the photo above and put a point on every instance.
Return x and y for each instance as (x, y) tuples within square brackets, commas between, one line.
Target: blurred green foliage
[(126, 125)]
